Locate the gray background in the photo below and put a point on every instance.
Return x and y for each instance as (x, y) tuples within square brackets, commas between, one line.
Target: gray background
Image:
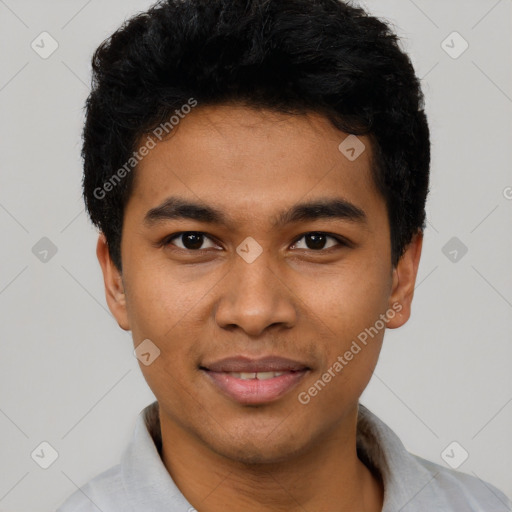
[(67, 372)]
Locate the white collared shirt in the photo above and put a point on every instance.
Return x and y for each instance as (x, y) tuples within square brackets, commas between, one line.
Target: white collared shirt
[(140, 482)]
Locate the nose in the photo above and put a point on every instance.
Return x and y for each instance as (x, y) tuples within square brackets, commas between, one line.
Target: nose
[(254, 298)]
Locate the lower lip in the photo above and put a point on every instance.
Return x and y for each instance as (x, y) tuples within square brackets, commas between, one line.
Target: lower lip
[(254, 391)]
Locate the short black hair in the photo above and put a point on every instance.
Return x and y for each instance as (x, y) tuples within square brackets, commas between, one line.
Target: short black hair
[(289, 56)]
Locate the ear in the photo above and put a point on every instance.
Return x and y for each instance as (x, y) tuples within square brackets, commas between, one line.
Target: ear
[(404, 281), (114, 288)]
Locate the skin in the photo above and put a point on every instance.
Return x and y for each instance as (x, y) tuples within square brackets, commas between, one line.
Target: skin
[(307, 304)]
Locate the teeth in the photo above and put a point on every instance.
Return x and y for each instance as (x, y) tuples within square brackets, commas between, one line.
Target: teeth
[(247, 376), (266, 375), (256, 375)]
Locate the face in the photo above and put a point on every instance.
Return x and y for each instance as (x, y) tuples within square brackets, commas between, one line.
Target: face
[(282, 261)]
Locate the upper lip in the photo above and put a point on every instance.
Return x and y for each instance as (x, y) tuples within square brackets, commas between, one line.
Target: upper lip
[(247, 364)]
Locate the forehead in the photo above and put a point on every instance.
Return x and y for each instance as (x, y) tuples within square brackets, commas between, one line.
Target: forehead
[(254, 162)]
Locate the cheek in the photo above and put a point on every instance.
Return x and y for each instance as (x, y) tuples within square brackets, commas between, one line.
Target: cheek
[(158, 303), (171, 314), (349, 299), (347, 310)]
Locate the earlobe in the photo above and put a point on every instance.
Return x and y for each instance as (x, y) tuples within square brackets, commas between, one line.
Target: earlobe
[(404, 282), (114, 286)]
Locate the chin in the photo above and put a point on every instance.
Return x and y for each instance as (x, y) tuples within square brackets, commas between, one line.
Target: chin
[(252, 450)]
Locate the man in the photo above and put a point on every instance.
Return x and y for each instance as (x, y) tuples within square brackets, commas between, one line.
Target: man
[(258, 170)]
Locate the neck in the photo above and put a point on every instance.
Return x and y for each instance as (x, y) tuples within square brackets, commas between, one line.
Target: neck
[(327, 476)]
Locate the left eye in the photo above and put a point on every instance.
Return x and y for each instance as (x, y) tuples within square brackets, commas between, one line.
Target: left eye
[(316, 241)]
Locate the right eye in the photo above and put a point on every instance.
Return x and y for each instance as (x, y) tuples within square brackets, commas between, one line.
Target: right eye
[(189, 240)]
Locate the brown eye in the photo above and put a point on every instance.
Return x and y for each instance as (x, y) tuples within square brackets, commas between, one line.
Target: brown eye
[(316, 241), (190, 240)]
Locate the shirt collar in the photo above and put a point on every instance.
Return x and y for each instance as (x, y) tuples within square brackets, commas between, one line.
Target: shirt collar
[(146, 480), (150, 487), (403, 477)]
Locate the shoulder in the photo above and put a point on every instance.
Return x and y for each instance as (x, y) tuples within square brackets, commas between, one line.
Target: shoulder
[(104, 492), (461, 491)]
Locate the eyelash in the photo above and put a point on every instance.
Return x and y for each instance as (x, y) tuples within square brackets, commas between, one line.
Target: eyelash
[(167, 241)]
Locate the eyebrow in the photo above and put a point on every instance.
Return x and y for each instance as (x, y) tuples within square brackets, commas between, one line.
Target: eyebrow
[(328, 208)]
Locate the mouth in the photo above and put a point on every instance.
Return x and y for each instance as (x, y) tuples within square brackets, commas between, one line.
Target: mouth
[(254, 381)]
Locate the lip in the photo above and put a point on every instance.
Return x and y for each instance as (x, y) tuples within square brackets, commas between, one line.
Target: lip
[(254, 391)]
